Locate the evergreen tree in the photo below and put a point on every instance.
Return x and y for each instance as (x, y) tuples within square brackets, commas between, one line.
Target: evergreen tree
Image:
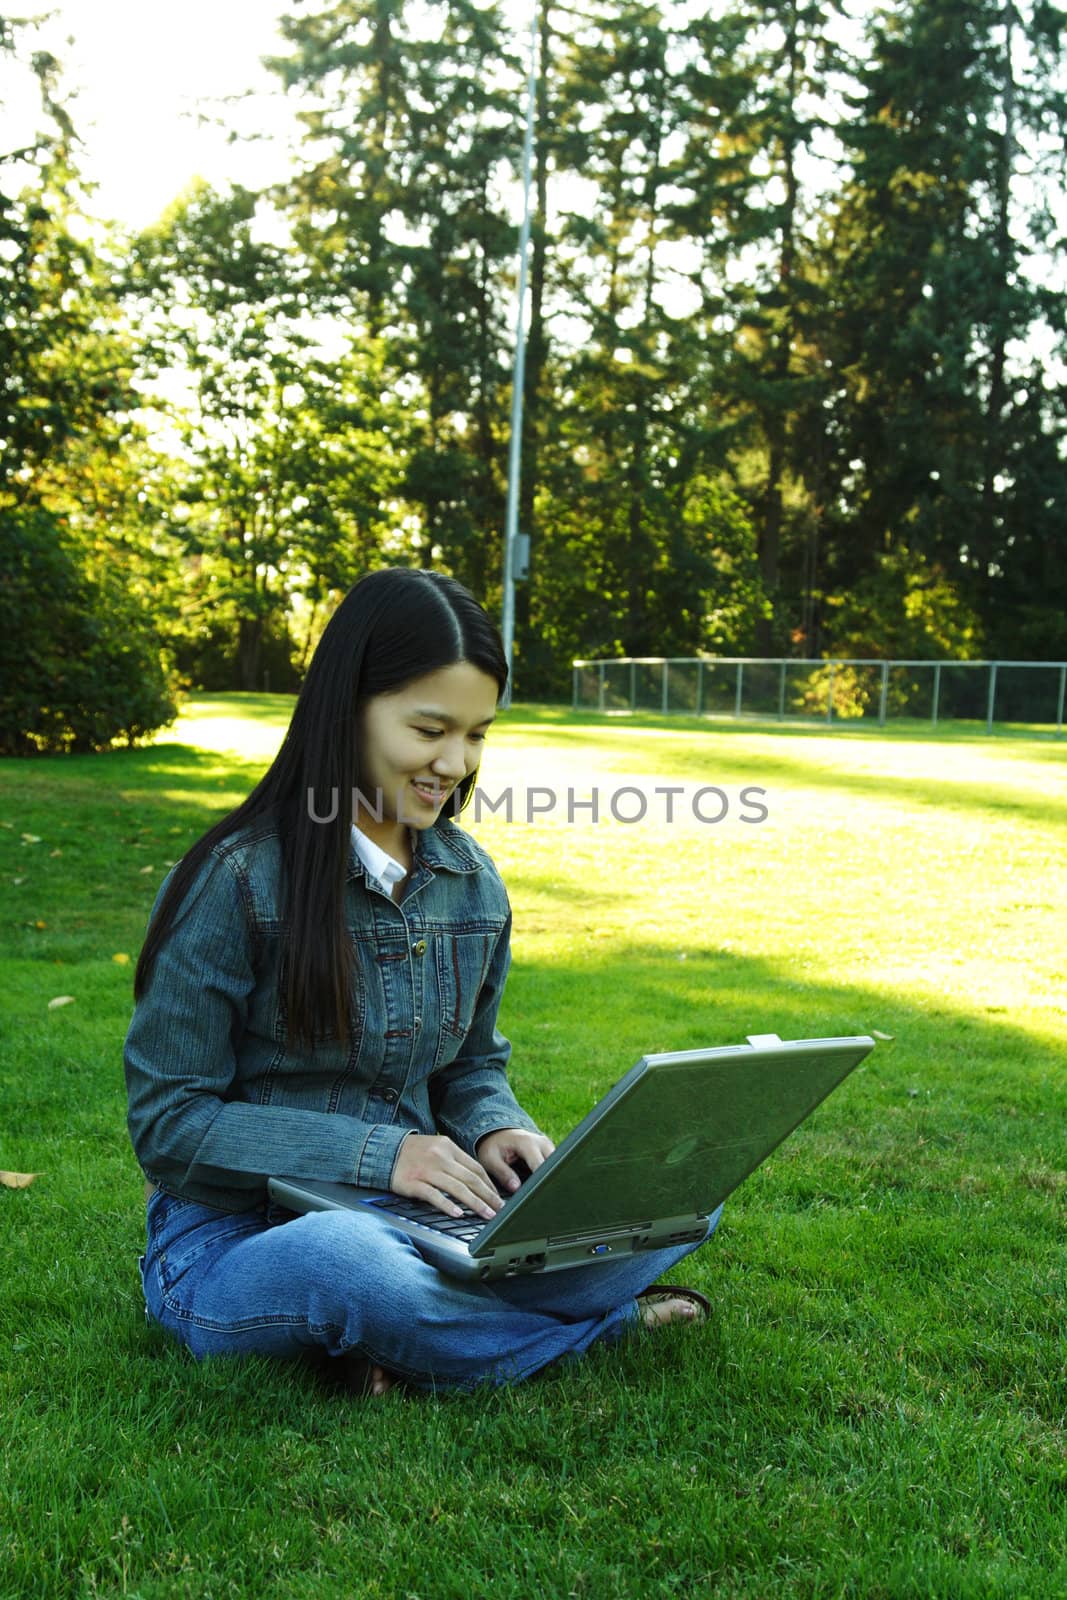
[(82, 662), (399, 207), (942, 414), (764, 80), (633, 525)]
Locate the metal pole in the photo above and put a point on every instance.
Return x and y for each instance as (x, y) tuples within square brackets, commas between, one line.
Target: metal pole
[(633, 685), (666, 688), (600, 666), (937, 692), (884, 696), (737, 697), (781, 691), (830, 693), (1059, 708), (992, 697), (511, 518), (574, 691), (700, 691)]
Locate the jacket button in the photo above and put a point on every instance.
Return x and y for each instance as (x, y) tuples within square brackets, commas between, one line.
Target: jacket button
[(389, 1096), (419, 948)]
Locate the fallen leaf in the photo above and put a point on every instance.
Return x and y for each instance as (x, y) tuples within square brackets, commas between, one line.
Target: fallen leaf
[(147, 869), (55, 852), (31, 838), (60, 1000), (122, 958), (18, 880), (38, 924), (877, 1034), (7, 824), (18, 1180)]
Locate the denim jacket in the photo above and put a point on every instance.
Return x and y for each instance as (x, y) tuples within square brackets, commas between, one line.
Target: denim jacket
[(218, 1101)]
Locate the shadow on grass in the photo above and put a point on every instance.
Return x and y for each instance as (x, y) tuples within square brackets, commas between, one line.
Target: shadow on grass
[(1047, 743), (273, 709), (953, 1104), (718, 754)]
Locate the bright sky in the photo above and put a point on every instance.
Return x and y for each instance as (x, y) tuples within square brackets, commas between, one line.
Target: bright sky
[(142, 71)]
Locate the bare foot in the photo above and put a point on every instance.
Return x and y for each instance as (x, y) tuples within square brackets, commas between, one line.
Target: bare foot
[(662, 1304), (361, 1376), (657, 1313)]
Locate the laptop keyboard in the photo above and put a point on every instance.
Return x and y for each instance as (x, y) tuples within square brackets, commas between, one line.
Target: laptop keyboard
[(466, 1227)]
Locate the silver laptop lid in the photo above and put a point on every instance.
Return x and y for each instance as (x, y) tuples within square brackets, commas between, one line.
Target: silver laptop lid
[(675, 1136)]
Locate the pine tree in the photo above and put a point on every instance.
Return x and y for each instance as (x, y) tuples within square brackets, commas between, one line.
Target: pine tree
[(400, 209), (942, 414)]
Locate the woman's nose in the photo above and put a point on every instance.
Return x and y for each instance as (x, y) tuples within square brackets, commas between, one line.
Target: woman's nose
[(451, 760)]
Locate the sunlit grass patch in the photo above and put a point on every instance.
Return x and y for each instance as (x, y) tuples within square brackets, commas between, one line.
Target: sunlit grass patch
[(877, 1407)]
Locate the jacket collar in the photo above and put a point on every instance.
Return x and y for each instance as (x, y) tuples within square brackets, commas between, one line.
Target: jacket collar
[(443, 848), (446, 848)]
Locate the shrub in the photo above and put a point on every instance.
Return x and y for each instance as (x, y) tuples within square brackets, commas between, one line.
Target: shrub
[(80, 662)]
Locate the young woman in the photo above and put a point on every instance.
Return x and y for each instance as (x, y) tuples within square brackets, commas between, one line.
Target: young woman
[(317, 996)]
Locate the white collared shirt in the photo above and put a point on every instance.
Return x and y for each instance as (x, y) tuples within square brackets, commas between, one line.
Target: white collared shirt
[(383, 867)]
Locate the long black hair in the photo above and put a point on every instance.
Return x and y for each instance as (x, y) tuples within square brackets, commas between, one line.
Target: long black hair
[(394, 626)]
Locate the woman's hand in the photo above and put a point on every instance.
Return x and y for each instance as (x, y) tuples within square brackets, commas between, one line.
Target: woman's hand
[(430, 1167), (500, 1150)]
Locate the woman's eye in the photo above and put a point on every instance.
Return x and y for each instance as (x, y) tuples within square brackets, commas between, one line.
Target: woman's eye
[(430, 733)]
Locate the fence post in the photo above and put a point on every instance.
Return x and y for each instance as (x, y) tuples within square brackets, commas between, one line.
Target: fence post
[(884, 696), (781, 692), (737, 696), (600, 666), (666, 697), (992, 696), (574, 689), (700, 688), (937, 692), (1059, 708), (830, 693), (633, 685)]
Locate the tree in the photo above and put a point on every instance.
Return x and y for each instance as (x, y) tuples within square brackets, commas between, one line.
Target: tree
[(399, 211), (287, 456), (634, 521), (83, 662), (942, 414)]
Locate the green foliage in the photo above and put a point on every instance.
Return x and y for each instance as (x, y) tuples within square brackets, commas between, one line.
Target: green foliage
[(907, 608), (290, 453), (397, 213), (937, 429), (80, 658), (790, 381), (79, 663)]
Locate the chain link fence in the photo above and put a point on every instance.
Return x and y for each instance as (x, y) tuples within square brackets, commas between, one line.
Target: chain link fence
[(783, 688)]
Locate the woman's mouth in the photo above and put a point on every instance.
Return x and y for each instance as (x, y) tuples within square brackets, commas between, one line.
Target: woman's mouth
[(430, 794)]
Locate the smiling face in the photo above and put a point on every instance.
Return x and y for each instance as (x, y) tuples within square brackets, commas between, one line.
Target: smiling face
[(416, 745)]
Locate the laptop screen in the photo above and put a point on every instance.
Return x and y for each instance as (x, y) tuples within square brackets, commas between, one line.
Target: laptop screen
[(677, 1134)]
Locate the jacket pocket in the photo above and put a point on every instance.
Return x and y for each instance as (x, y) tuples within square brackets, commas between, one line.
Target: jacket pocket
[(462, 962)]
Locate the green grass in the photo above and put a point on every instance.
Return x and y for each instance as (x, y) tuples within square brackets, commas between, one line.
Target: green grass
[(877, 1407)]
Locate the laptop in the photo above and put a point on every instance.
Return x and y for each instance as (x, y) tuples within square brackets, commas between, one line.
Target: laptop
[(644, 1170)]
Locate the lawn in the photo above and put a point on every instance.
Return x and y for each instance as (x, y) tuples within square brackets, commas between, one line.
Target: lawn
[(877, 1406)]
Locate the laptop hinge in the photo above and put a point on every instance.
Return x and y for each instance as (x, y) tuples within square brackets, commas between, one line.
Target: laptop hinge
[(596, 1235)]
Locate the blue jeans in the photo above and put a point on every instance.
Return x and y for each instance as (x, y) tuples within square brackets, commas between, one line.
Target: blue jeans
[(344, 1282)]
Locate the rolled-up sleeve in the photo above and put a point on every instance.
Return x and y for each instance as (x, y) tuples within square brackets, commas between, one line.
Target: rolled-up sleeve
[(472, 1096), (192, 1129)]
